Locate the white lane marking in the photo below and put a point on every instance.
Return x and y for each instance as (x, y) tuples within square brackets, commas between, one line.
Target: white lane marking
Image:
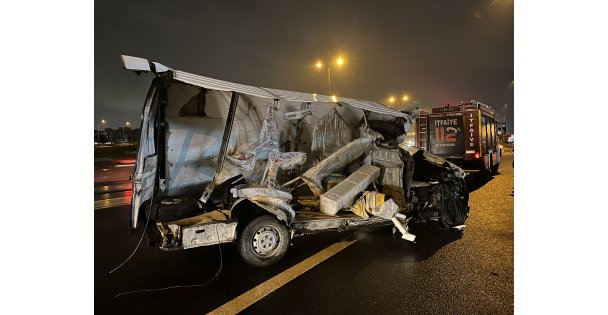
[(124, 165), (262, 290), (107, 203)]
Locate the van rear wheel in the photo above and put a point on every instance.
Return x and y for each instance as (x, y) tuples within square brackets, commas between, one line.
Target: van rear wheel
[(263, 242), (175, 209)]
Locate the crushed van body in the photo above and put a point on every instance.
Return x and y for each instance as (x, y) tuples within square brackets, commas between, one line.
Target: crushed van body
[(221, 162)]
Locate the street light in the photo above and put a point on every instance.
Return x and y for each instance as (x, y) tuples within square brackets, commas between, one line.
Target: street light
[(123, 131), (319, 65), (392, 99), (103, 122)]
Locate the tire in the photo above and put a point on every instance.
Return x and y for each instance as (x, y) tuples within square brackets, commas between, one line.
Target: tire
[(495, 169), (459, 215), (490, 164), (176, 209), (484, 175), (263, 242), (456, 213)]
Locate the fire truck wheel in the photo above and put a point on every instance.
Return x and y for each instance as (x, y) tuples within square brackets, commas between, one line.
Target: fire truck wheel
[(495, 169), (484, 175), (263, 241)]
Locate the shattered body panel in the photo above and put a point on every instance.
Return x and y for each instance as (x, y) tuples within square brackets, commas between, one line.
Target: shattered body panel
[(342, 195), (315, 222), (203, 230), (334, 162), (315, 163), (208, 234)]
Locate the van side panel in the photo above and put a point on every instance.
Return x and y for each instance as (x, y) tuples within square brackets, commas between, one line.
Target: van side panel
[(193, 139), (144, 175)]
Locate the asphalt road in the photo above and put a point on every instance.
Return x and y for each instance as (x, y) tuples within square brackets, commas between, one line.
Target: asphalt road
[(444, 272), (112, 184), (109, 172)]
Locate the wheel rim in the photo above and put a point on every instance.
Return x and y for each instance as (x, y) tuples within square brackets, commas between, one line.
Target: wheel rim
[(265, 240)]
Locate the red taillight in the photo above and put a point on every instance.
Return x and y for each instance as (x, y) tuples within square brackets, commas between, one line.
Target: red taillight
[(124, 161), (477, 155)]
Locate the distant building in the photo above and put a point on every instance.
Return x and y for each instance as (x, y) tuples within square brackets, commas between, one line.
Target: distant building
[(135, 134), (109, 133), (125, 134), (118, 135), (101, 136)]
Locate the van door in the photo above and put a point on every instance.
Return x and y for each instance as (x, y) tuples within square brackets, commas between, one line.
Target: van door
[(144, 175)]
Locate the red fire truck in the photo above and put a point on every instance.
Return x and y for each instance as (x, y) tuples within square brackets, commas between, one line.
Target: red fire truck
[(465, 135)]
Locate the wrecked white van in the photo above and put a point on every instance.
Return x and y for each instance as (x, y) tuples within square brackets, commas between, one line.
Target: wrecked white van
[(222, 162)]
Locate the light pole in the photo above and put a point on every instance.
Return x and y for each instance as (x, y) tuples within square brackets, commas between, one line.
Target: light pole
[(392, 99), (319, 65), (504, 120), (103, 122), (123, 131)]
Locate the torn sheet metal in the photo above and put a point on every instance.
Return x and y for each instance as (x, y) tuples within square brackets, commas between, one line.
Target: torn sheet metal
[(329, 134), (404, 125), (288, 160), (337, 160), (366, 203), (430, 167), (272, 200), (390, 210), (390, 161), (166, 237), (259, 192), (391, 176), (389, 130), (375, 203), (299, 114), (343, 194), (208, 234), (284, 161), (314, 222), (386, 210), (278, 207), (405, 234), (269, 142), (247, 160), (270, 135), (224, 147)]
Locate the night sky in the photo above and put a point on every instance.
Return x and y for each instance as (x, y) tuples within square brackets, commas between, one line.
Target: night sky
[(436, 52)]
